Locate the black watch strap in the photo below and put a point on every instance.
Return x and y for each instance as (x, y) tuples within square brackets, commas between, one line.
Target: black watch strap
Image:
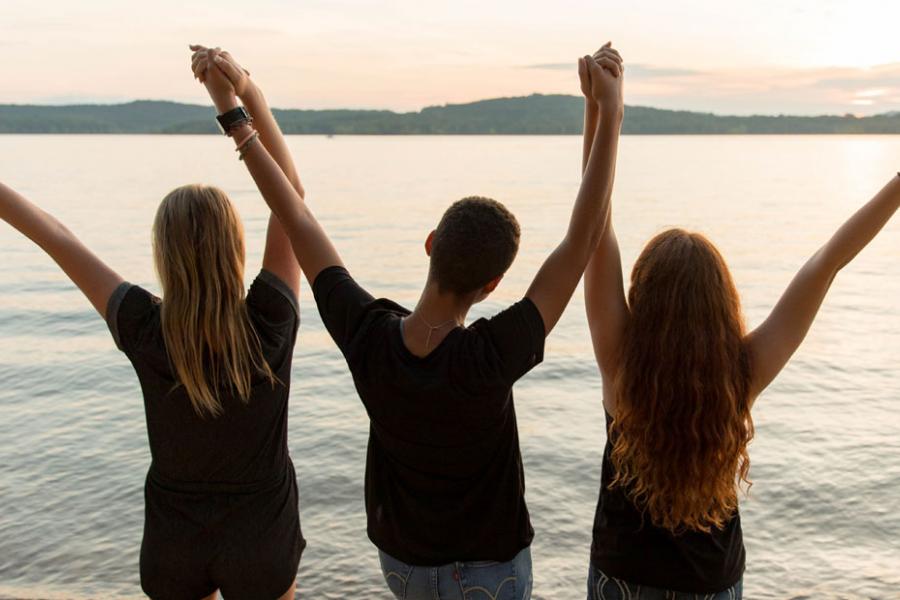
[(233, 118)]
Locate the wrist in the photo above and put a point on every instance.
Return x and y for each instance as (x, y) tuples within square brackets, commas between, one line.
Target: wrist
[(250, 93), (241, 132), (612, 113), (591, 105), (225, 103)]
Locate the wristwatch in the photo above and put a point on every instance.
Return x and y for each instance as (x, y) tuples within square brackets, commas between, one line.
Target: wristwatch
[(233, 118)]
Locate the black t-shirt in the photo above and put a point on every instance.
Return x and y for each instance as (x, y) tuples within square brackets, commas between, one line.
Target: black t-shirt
[(444, 477), (626, 545), (246, 445)]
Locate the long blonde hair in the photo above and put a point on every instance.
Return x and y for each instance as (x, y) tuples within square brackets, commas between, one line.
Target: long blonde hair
[(682, 421), (198, 248)]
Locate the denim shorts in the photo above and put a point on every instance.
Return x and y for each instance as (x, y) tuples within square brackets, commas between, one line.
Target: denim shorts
[(473, 580), (603, 587)]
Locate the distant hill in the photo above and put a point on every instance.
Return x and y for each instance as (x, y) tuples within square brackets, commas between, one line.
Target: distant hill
[(535, 114)]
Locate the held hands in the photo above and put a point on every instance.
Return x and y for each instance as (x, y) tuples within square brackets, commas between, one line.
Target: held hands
[(601, 77), (221, 74)]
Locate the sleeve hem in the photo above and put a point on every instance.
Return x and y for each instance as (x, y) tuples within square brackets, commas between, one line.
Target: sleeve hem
[(278, 284), (539, 328), (323, 276), (112, 311)]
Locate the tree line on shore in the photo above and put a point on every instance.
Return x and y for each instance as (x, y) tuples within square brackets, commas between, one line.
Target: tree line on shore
[(528, 115)]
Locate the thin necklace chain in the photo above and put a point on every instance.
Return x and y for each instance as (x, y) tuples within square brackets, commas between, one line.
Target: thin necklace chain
[(433, 328)]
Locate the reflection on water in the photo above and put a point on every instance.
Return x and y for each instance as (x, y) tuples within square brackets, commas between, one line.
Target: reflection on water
[(821, 521)]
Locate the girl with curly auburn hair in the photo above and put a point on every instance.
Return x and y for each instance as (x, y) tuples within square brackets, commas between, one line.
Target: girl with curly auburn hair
[(680, 375)]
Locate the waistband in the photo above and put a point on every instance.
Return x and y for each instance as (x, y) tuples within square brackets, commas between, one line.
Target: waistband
[(271, 482)]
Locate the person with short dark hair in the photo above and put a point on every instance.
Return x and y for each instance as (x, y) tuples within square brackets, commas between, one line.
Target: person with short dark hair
[(475, 241), (444, 478)]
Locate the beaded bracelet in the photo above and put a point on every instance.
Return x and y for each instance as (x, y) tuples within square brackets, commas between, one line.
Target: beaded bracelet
[(237, 125), (246, 144), (245, 140)]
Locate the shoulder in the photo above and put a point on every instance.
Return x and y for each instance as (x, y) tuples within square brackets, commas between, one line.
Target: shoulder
[(514, 337), (521, 317), (274, 298), (332, 279), (129, 311), (378, 319)]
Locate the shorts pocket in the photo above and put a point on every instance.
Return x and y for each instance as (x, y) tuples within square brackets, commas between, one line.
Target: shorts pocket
[(488, 580), (396, 574), (604, 587)]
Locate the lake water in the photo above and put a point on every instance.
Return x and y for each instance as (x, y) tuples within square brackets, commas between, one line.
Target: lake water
[(822, 520)]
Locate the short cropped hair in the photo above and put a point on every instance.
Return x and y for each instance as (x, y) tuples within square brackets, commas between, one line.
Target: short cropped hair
[(475, 242)]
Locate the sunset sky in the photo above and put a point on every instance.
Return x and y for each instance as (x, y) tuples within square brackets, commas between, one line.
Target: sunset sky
[(766, 56)]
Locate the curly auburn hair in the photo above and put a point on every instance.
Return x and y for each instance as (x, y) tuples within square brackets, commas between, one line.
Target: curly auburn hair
[(476, 241), (682, 420)]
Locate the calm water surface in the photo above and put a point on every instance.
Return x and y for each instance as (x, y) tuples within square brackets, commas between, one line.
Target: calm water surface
[(822, 520)]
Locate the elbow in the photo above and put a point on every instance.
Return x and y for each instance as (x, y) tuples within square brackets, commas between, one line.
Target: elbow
[(825, 264), (595, 237), (295, 182), (596, 234), (829, 260)]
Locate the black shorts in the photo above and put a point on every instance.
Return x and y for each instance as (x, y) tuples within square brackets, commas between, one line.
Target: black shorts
[(245, 542)]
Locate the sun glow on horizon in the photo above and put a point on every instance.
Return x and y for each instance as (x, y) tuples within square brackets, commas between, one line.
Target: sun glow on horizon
[(772, 56)]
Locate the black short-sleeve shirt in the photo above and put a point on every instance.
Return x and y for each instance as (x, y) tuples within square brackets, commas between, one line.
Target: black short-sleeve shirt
[(247, 443), (626, 545), (444, 477)]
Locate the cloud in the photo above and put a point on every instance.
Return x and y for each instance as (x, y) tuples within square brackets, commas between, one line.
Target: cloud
[(634, 70), (766, 90)]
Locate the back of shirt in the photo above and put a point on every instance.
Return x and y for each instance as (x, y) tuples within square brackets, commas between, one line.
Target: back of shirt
[(247, 443), (627, 545), (444, 478)]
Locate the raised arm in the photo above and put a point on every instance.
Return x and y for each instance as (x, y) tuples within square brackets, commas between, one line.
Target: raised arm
[(773, 343), (278, 256), (88, 272), (311, 245), (604, 293), (559, 275)]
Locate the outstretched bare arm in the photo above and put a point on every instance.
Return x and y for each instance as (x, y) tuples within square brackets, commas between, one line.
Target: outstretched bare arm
[(604, 293), (88, 272), (312, 247), (773, 343), (278, 256), (558, 277)]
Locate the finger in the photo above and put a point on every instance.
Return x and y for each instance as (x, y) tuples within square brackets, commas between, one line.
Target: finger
[(616, 60), (609, 52), (196, 47), (232, 72), (199, 57), (606, 52), (610, 65), (200, 68), (233, 62), (594, 70), (201, 72)]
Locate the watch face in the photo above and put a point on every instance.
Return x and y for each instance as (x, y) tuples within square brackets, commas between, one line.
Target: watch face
[(235, 115)]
